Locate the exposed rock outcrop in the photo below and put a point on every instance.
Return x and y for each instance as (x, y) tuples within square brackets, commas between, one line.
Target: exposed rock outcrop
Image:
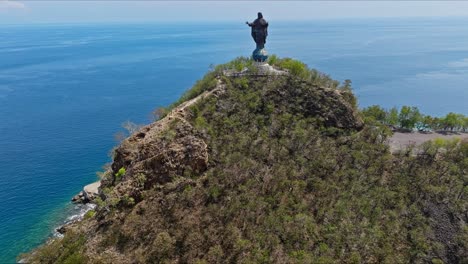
[(160, 151), (88, 194)]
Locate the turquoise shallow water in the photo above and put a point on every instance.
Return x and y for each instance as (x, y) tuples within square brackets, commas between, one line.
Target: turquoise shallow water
[(65, 90)]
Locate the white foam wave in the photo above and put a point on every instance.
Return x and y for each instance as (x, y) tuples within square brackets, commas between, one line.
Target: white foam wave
[(79, 212)]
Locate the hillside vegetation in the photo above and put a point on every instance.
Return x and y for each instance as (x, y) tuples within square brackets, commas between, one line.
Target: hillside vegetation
[(272, 169), (410, 118)]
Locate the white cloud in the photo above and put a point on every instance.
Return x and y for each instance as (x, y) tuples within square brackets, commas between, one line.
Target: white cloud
[(6, 5)]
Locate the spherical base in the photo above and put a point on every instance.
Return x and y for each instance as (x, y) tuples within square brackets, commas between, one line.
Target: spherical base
[(260, 55)]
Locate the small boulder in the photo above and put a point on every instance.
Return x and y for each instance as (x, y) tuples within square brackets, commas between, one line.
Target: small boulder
[(61, 229), (78, 198)]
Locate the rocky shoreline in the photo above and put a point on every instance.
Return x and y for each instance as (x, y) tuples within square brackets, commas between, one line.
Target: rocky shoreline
[(84, 199)]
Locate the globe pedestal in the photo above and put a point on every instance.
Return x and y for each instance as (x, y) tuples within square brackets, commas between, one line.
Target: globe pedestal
[(260, 54)]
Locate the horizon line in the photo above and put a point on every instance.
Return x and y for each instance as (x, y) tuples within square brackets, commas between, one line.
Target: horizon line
[(225, 21)]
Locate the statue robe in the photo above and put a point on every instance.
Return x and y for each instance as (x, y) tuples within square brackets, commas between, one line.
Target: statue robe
[(259, 31)]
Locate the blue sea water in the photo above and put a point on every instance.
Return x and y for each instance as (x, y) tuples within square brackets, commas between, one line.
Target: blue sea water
[(65, 90)]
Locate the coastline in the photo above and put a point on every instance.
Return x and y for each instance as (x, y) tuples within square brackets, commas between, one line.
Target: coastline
[(83, 203), (76, 214)]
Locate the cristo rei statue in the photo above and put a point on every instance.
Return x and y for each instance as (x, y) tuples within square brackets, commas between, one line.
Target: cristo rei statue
[(259, 35)]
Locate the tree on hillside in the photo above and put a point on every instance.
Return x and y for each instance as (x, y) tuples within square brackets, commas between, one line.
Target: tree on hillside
[(392, 117), (460, 122), (349, 97), (409, 116), (346, 85), (375, 113), (465, 124), (436, 123), (452, 121)]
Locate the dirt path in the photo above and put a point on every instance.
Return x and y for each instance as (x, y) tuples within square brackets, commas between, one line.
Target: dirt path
[(179, 112), (401, 140)]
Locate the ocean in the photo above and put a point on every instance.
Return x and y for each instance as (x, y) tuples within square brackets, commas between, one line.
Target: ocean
[(65, 91)]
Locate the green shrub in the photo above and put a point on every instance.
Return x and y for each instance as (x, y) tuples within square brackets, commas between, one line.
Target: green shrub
[(120, 174), (169, 134), (99, 202), (300, 69), (273, 60), (127, 200), (90, 214), (141, 179), (163, 246), (295, 67)]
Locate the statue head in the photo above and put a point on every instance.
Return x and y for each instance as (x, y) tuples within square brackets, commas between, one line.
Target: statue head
[(260, 15)]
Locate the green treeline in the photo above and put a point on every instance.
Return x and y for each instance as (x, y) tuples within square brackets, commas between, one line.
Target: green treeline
[(409, 118)]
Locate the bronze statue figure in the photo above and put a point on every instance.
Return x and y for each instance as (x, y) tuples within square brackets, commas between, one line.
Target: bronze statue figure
[(259, 30), (259, 35)]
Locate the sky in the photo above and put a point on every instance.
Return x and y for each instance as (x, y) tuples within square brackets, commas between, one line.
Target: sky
[(90, 11)]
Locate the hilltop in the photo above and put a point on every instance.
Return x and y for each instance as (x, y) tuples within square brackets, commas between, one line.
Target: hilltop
[(271, 166)]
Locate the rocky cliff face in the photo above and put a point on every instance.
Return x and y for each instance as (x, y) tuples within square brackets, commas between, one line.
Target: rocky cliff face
[(266, 168)]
